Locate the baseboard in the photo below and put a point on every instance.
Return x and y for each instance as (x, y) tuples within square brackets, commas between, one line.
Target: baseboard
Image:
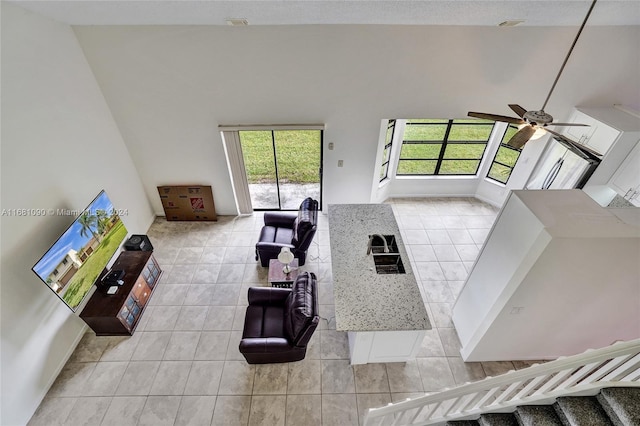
[(431, 196), (151, 220), (488, 201), (58, 369)]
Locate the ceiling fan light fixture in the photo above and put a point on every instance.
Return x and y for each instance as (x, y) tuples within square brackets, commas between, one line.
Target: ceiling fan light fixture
[(540, 132)]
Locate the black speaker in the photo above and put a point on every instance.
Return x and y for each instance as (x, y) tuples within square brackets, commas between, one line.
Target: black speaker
[(138, 243)]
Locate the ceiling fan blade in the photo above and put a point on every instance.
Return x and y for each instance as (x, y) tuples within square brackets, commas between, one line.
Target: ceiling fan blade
[(578, 145), (521, 137), (518, 109), (567, 124), (496, 117)]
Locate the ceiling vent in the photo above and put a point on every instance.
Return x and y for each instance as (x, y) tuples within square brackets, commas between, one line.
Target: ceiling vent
[(511, 23), (237, 22)]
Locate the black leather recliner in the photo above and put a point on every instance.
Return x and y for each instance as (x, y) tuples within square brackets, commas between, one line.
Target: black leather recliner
[(279, 322), (285, 229)]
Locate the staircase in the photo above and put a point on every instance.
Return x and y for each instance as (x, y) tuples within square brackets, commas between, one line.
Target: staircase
[(611, 407), (601, 385)]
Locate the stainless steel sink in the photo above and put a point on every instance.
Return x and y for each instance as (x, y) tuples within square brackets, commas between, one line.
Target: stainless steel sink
[(388, 263)]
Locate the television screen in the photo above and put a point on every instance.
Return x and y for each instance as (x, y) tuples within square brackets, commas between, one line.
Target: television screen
[(75, 261)]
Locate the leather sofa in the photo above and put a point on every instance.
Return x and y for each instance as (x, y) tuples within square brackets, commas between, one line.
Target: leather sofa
[(279, 322), (286, 229)]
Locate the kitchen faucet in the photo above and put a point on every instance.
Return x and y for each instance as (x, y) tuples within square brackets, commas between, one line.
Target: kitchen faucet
[(384, 241)]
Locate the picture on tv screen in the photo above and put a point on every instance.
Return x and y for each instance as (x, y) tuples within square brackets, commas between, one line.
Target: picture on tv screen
[(75, 261)]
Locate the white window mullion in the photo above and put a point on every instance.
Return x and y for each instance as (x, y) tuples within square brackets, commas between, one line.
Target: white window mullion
[(396, 147)]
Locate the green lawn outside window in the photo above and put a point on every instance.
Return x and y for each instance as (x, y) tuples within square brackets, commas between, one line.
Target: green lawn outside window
[(298, 155), (443, 146)]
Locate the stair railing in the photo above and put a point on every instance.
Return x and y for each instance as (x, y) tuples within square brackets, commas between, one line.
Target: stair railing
[(581, 374)]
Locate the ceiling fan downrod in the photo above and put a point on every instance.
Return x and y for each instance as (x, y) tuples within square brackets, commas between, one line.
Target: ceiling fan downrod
[(568, 54)]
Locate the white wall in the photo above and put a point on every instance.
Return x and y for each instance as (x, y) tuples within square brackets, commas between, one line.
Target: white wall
[(574, 298), (558, 275), (60, 147), (502, 263), (169, 87)]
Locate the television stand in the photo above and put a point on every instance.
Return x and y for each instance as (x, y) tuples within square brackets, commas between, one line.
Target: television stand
[(118, 313)]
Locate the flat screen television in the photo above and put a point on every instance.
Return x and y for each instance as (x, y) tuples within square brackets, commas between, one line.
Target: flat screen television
[(76, 260)]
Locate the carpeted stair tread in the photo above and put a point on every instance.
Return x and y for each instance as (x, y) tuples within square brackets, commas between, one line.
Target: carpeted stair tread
[(498, 419), (617, 406), (622, 405), (581, 411), (537, 415)]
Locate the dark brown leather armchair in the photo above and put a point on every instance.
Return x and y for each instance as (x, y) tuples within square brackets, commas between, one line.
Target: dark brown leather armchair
[(285, 229), (279, 322)]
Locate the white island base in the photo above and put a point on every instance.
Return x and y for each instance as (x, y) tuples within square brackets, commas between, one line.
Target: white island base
[(384, 346)]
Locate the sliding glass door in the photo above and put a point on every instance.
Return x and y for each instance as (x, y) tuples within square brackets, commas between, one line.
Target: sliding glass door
[(283, 167)]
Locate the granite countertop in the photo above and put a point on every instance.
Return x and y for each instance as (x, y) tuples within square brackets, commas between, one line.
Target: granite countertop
[(364, 299)]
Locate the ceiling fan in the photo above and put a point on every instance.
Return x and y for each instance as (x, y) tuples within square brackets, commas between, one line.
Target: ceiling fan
[(530, 121)]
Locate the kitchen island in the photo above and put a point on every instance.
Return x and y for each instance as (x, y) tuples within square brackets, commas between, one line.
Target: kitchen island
[(383, 313)]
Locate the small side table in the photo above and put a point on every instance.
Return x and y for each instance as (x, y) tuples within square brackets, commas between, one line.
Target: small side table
[(277, 278)]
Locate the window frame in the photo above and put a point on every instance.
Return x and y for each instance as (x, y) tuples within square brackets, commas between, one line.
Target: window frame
[(503, 144), (387, 148), (444, 143)]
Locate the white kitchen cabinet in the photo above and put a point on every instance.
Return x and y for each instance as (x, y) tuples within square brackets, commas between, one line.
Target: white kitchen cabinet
[(579, 133), (626, 180), (616, 133), (598, 135)]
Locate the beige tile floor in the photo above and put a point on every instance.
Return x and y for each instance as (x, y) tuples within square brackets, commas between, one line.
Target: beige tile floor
[(183, 367)]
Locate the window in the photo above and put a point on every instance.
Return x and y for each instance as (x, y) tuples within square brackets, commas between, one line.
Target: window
[(443, 146), (65, 261), (384, 168), (505, 159)]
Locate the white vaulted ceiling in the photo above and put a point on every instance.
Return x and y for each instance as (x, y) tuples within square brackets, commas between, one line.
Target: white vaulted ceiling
[(400, 12)]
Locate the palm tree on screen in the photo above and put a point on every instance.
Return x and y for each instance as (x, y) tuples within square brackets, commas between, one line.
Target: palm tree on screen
[(88, 221), (102, 220)]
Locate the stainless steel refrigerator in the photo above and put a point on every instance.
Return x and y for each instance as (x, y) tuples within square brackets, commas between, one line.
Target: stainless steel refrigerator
[(562, 166)]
